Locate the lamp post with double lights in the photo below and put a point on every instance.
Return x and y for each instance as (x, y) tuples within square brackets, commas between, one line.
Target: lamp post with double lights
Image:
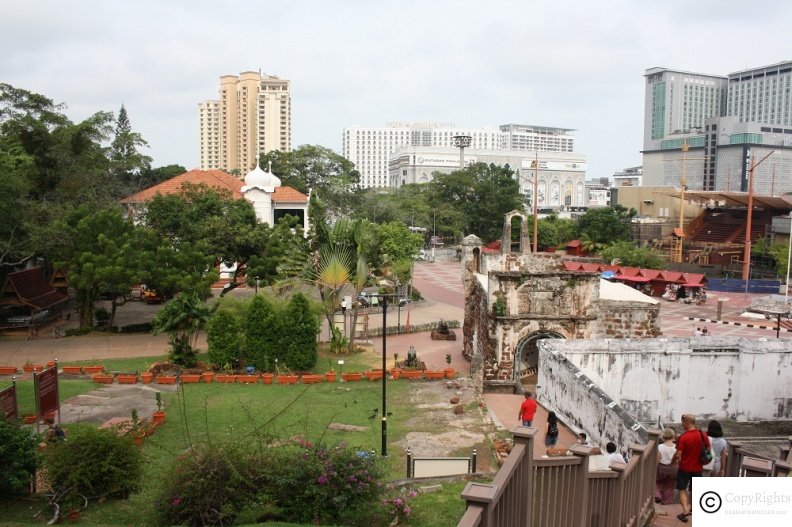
[(384, 299)]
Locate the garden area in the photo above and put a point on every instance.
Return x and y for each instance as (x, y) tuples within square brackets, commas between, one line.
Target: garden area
[(250, 447)]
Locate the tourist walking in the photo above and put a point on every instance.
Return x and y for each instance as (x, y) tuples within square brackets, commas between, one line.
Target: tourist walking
[(551, 437), (665, 480), (716, 467), (527, 410), (689, 449)]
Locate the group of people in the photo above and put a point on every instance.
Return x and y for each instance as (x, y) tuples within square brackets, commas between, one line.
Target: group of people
[(701, 332), (680, 459), (687, 295), (693, 453)]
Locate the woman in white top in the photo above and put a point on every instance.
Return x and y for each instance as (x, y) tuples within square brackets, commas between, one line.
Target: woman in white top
[(716, 467), (666, 469)]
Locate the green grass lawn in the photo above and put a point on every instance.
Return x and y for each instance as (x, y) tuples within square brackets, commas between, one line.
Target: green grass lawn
[(67, 389)]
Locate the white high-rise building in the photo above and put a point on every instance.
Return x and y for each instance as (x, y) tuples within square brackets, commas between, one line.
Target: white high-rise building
[(370, 148), (252, 117)]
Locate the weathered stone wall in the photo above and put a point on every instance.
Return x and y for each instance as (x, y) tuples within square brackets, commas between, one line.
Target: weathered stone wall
[(478, 346), (627, 320), (581, 403), (711, 377)]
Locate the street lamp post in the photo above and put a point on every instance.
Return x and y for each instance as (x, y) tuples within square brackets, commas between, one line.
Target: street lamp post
[(384, 299), (789, 257)]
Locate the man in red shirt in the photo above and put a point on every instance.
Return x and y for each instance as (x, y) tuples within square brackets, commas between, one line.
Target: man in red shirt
[(527, 410), (688, 453)]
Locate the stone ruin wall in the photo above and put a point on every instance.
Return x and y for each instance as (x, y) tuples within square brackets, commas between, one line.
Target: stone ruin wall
[(627, 320)]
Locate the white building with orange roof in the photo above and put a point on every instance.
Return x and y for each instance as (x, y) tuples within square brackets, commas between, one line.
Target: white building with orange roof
[(271, 200)]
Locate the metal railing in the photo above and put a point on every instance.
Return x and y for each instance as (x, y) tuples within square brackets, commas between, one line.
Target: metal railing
[(563, 491)]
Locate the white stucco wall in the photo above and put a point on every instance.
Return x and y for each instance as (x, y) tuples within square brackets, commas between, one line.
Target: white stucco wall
[(736, 378)]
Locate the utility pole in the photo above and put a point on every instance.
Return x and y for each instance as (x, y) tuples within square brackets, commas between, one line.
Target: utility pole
[(746, 270), (536, 205)]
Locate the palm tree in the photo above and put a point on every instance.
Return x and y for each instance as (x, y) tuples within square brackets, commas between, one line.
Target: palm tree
[(183, 318)]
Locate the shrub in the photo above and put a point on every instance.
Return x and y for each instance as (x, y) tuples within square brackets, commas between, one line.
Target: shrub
[(337, 485), (142, 327), (77, 331), (222, 337), (18, 457), (300, 342), (261, 333), (96, 463), (209, 485), (102, 316)]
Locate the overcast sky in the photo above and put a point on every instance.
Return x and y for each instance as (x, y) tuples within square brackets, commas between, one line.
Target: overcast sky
[(574, 64)]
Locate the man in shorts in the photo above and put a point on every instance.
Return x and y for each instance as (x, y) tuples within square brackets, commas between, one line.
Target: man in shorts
[(527, 410), (688, 454)]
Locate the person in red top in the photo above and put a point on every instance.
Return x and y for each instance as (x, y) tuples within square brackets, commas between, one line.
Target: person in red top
[(527, 410), (688, 453)]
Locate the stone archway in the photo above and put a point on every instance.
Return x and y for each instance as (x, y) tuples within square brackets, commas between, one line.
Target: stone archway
[(526, 360)]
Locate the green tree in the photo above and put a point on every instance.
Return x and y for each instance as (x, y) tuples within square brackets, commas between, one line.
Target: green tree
[(262, 333), (223, 337), (299, 343), (127, 161), (18, 457), (148, 177), (604, 225), (482, 193), (628, 254), (183, 318)]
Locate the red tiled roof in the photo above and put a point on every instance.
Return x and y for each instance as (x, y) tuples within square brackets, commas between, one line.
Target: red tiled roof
[(288, 195), (636, 272), (573, 243), (572, 266), (211, 178), (30, 288)]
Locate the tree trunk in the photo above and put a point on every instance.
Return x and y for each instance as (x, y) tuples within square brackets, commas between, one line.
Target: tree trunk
[(85, 301)]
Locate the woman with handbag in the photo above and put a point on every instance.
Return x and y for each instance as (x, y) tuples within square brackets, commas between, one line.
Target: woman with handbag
[(716, 467), (666, 469)]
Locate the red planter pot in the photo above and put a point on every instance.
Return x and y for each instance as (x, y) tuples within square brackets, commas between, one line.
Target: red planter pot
[(146, 377), (396, 373), (331, 376), (267, 378), (51, 364), (434, 374), (8, 370), (207, 376), (190, 378), (166, 379), (158, 417), (127, 378), (30, 368), (72, 370), (412, 374), (248, 379), (352, 376), (287, 379), (449, 373), (225, 378), (312, 379), (374, 375), (102, 378), (29, 419), (91, 370)]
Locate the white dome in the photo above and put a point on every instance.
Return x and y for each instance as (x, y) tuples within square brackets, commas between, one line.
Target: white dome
[(258, 178)]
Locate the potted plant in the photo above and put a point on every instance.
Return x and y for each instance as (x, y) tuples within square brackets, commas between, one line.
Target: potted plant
[(396, 371), (285, 376), (29, 419), (250, 377), (136, 428), (434, 374), (127, 378), (373, 375), (30, 367), (449, 371), (331, 374), (207, 376), (72, 370), (158, 417), (146, 377), (228, 376), (8, 370), (90, 370)]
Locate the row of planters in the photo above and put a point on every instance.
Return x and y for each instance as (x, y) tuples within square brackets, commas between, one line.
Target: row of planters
[(266, 378)]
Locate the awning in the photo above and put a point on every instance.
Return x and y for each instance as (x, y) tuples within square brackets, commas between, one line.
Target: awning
[(633, 278)]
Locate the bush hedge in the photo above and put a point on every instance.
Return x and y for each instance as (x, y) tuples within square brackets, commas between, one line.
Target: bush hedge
[(18, 458)]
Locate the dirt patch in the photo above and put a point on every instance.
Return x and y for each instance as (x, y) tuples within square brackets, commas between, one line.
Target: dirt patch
[(110, 401), (438, 432)]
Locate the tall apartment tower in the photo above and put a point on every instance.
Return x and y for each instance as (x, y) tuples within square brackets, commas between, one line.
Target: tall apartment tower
[(678, 101), (537, 138), (761, 95), (253, 116)]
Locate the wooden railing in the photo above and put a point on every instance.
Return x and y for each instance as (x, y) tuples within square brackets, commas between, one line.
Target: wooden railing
[(742, 463), (562, 491)]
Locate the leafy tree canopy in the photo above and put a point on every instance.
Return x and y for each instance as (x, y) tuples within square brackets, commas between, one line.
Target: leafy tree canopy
[(603, 225), (626, 253)]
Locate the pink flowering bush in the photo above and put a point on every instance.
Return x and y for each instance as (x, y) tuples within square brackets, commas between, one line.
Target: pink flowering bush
[(328, 484), (399, 507)]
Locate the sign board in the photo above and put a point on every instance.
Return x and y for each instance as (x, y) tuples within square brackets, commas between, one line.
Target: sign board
[(564, 166), (443, 161), (440, 466), (8, 403), (46, 388)]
